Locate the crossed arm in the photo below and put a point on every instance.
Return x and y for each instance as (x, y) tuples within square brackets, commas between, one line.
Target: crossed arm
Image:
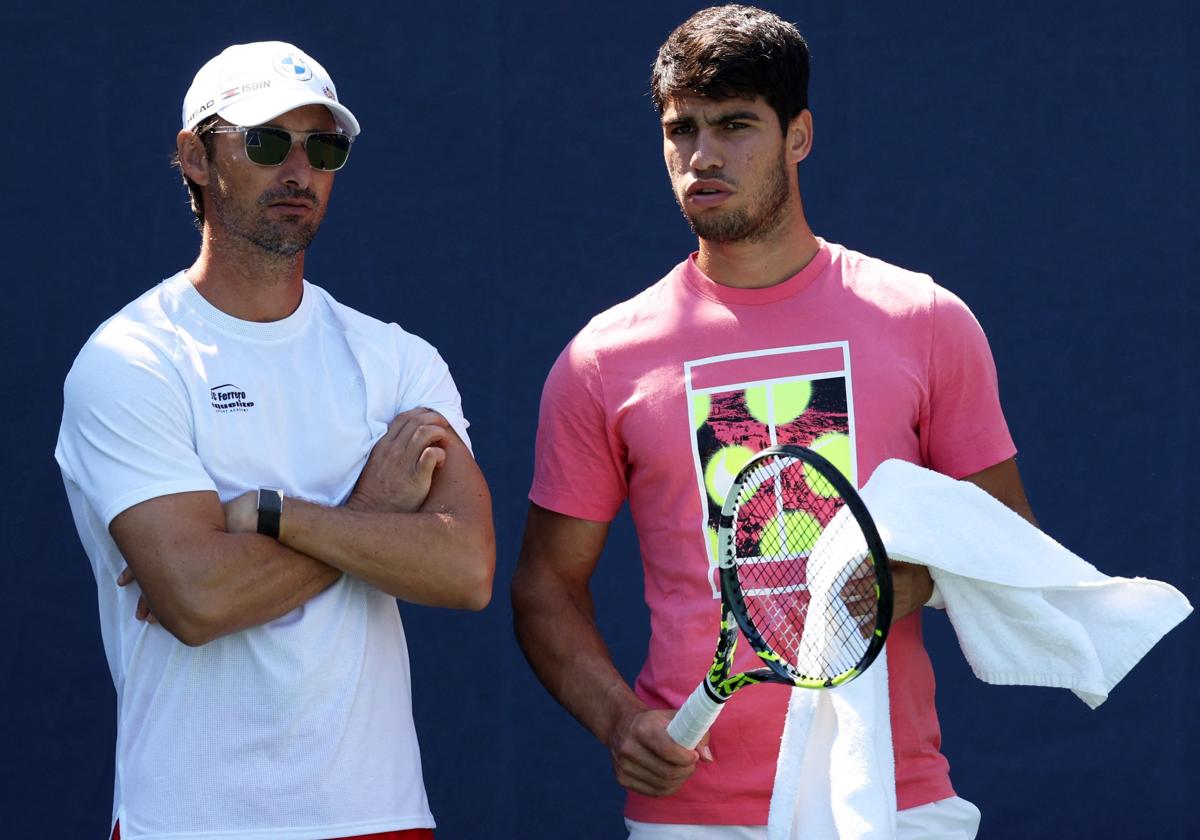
[(555, 624), (417, 525)]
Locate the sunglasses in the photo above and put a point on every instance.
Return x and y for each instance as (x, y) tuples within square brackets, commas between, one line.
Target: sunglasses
[(269, 146)]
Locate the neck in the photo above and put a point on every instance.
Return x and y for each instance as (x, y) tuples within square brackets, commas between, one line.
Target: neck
[(243, 280), (764, 262)]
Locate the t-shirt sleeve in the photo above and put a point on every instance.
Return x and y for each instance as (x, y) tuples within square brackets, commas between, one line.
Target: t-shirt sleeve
[(426, 381), (578, 458), (963, 429), (126, 433)]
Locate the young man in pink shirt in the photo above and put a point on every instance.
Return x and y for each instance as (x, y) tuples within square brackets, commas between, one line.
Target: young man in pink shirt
[(767, 334)]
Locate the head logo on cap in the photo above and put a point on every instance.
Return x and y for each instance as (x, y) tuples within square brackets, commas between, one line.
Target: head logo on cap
[(293, 66)]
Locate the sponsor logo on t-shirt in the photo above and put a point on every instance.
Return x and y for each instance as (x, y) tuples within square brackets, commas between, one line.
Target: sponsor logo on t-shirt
[(229, 397)]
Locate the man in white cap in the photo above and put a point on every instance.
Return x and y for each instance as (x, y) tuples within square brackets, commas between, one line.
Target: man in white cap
[(256, 473)]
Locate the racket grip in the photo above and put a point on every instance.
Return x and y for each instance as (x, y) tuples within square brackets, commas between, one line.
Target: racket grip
[(694, 718)]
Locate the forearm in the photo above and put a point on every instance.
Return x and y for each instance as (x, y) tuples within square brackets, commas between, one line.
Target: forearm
[(558, 634), (912, 584), (437, 558), (234, 582), (1003, 482)]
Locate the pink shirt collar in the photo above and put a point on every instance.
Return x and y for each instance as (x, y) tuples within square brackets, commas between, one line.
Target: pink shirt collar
[(702, 284)]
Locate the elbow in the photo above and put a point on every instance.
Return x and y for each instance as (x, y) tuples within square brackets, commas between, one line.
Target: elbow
[(529, 588), (189, 632), (477, 599), (191, 635), (474, 585), (477, 589), (192, 622)]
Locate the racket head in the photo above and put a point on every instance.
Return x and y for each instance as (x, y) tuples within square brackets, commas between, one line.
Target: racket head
[(803, 570)]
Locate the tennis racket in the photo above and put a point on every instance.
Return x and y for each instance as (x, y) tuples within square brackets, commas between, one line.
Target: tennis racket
[(804, 575)]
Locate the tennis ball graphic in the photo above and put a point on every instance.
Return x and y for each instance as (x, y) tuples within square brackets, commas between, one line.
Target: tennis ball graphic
[(701, 405), (792, 534), (835, 448), (782, 403), (723, 468)]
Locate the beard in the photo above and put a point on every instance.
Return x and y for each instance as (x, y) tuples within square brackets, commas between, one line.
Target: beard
[(278, 237), (766, 213)]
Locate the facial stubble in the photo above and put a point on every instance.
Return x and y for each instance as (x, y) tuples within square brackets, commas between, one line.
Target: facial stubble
[(765, 215), (277, 237)]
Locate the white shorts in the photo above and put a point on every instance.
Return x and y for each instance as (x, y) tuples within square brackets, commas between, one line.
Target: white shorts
[(947, 819)]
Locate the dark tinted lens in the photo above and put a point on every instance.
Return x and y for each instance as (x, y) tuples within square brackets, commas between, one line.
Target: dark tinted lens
[(327, 151), (268, 146)]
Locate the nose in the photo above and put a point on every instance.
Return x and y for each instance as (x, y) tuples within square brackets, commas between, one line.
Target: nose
[(295, 169), (706, 154)]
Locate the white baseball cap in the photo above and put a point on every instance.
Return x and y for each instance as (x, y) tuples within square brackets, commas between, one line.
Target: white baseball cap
[(250, 84)]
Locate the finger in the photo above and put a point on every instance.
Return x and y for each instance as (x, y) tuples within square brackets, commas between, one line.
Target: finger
[(407, 418), (645, 788), (427, 435), (662, 760), (657, 783), (416, 416), (649, 788), (431, 417), (125, 578), (432, 458), (143, 609)]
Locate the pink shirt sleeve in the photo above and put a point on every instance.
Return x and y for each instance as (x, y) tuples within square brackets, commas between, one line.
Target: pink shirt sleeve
[(962, 426), (578, 458)]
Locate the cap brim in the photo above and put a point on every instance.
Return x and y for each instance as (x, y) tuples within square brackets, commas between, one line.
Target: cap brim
[(258, 110)]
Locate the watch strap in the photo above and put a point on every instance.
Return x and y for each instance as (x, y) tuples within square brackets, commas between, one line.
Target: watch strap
[(270, 509)]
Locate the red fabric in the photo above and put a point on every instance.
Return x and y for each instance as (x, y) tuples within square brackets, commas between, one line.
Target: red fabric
[(410, 834)]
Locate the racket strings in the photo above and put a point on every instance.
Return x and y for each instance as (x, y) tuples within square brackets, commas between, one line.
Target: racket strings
[(807, 581)]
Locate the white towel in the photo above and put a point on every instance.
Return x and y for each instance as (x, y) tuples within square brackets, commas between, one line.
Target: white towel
[(1026, 612), (836, 775)]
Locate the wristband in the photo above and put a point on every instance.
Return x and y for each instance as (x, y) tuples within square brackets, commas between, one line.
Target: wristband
[(270, 508)]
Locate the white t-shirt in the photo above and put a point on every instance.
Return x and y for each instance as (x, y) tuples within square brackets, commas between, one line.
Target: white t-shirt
[(300, 728)]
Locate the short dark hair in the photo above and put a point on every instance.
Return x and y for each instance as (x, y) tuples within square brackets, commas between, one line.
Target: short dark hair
[(725, 52), (195, 198)]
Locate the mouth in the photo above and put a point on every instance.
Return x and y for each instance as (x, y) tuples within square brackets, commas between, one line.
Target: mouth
[(707, 193), (290, 209), (292, 204), (297, 202)]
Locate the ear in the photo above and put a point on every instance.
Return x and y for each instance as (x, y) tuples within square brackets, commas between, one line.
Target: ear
[(193, 157), (799, 137)]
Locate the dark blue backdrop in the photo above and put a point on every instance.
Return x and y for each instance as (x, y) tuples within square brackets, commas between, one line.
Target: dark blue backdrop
[(1038, 158)]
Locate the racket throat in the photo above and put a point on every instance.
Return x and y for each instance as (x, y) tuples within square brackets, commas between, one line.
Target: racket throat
[(715, 693)]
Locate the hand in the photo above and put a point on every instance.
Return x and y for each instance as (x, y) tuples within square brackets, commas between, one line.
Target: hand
[(646, 759), (142, 613), (911, 588), (399, 471), (858, 594)]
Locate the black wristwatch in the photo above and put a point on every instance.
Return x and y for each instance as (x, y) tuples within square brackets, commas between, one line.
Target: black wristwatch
[(270, 508)]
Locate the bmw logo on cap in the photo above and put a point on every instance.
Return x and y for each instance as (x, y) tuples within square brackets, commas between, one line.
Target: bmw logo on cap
[(293, 66)]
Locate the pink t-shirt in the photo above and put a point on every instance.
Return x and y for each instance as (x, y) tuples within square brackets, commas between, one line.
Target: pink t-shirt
[(660, 398)]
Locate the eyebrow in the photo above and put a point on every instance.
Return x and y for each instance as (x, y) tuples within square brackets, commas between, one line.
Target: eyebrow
[(732, 116)]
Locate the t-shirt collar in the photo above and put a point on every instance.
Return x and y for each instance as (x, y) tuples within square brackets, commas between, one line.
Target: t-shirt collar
[(798, 282), (269, 331)]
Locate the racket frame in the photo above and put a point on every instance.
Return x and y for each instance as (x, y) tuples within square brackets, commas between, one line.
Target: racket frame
[(731, 588), (703, 706)]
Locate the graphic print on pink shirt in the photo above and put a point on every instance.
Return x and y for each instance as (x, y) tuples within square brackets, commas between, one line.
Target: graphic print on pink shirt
[(743, 403)]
